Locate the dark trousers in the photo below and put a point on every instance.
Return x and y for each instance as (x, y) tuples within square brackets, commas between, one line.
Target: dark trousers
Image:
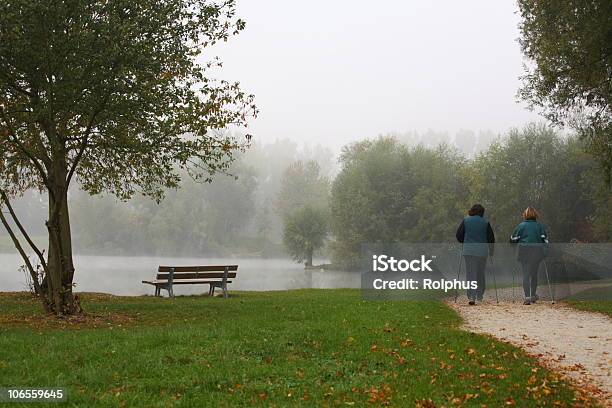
[(475, 271), (530, 276)]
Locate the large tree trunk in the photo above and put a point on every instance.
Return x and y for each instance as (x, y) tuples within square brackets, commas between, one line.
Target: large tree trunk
[(60, 264), (309, 257)]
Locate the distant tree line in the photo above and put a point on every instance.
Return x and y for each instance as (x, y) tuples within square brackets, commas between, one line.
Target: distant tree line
[(387, 191), (239, 213), (278, 199)]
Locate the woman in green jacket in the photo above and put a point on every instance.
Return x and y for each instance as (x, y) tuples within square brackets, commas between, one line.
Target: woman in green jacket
[(533, 240)]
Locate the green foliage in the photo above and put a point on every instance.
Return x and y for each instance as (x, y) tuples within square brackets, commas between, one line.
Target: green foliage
[(367, 199), (200, 218), (534, 167), (304, 232), (110, 91), (569, 45), (303, 202), (302, 184), (600, 197), (440, 195), (235, 214), (387, 192), (193, 219), (290, 348)]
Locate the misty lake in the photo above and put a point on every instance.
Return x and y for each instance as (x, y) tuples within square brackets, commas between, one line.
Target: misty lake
[(120, 275)]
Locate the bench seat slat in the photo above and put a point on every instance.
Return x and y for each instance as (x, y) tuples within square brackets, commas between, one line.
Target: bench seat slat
[(202, 268), (183, 281), (194, 275)]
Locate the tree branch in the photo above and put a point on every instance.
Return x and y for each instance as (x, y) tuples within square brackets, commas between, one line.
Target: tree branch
[(25, 151), (23, 231), (23, 255), (85, 140)]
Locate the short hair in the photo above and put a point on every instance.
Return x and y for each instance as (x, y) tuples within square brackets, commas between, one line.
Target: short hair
[(477, 209), (530, 213)]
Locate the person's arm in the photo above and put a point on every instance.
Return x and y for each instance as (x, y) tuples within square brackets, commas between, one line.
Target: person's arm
[(490, 234), (491, 239), (544, 238), (516, 235), (543, 234), (461, 232)]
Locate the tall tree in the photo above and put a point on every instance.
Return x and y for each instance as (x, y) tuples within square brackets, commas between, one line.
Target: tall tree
[(304, 232), (389, 192), (109, 93), (569, 44)]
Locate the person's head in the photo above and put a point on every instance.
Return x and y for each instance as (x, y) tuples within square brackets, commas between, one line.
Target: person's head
[(477, 209), (530, 213)]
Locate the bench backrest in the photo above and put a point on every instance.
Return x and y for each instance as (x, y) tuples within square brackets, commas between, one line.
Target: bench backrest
[(171, 273)]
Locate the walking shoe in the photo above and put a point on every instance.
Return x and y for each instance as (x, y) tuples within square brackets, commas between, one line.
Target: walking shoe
[(471, 303), (535, 298), (527, 302)]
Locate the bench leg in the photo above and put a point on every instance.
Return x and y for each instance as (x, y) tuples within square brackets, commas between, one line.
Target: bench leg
[(156, 290)]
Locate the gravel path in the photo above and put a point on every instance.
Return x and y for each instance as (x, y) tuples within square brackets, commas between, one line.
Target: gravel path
[(575, 343)]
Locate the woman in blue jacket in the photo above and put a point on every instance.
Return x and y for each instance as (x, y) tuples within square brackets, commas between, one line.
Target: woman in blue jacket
[(476, 235), (533, 240)]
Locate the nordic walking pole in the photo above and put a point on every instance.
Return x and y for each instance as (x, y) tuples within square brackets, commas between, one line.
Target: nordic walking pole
[(548, 280), (458, 273), (513, 277), (494, 280)]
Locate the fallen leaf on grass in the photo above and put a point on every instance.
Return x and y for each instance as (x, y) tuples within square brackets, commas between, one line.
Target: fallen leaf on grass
[(424, 403), (406, 343), (380, 394)]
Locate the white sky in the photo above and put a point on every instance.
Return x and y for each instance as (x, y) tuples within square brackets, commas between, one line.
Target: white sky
[(333, 71)]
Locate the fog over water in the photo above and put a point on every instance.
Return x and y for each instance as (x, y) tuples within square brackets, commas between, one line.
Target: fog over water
[(122, 275)]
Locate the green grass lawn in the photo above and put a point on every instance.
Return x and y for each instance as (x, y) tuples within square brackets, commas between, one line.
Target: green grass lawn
[(305, 347), (599, 306), (598, 299)]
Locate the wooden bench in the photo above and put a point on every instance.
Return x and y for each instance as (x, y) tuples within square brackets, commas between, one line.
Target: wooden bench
[(217, 276)]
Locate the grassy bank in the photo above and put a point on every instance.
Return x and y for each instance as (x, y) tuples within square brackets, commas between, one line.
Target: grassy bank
[(597, 299), (307, 347), (599, 306)]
